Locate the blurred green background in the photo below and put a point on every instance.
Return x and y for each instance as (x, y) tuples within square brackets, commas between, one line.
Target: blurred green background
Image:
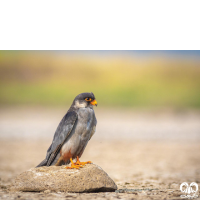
[(117, 78)]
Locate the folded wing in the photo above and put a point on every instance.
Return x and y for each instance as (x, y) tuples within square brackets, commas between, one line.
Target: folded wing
[(62, 133)]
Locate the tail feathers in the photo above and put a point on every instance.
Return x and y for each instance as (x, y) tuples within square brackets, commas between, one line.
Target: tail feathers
[(43, 163)]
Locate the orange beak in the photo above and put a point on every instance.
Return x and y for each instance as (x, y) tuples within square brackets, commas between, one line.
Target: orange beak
[(94, 102)]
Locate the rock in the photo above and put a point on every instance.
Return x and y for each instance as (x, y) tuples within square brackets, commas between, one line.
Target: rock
[(47, 191), (90, 178)]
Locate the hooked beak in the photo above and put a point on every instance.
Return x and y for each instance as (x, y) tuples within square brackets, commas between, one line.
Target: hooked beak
[(94, 102)]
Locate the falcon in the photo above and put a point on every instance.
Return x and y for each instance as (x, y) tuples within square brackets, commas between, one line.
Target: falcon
[(73, 133)]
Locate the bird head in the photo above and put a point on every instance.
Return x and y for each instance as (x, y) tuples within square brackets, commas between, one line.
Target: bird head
[(84, 100)]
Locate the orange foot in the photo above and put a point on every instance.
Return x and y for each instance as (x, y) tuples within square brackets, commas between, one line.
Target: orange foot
[(81, 163), (77, 164), (73, 165)]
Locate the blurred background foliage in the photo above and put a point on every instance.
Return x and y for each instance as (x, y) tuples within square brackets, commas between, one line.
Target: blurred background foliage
[(117, 78)]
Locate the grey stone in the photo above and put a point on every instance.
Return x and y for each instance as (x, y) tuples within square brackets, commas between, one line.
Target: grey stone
[(90, 178), (47, 191)]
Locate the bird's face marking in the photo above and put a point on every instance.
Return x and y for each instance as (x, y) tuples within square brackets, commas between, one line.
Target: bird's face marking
[(80, 104), (91, 101), (84, 100)]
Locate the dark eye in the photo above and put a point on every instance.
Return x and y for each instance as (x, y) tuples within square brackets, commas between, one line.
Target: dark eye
[(88, 99)]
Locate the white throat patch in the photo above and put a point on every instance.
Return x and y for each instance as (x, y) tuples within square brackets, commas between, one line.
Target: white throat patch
[(80, 105)]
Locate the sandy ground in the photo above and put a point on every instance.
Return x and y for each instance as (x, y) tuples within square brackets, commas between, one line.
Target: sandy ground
[(148, 154)]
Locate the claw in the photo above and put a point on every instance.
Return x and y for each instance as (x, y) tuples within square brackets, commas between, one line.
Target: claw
[(73, 165), (77, 164), (81, 163)]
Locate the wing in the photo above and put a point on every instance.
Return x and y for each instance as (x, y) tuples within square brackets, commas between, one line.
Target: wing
[(61, 134), (44, 162)]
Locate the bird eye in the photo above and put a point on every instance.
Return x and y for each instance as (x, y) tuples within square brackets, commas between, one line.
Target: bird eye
[(88, 99)]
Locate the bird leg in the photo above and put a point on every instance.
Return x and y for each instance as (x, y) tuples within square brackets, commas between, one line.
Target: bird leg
[(81, 163), (73, 165)]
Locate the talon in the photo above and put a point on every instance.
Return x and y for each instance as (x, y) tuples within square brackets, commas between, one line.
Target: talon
[(81, 163), (73, 165), (77, 164)]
